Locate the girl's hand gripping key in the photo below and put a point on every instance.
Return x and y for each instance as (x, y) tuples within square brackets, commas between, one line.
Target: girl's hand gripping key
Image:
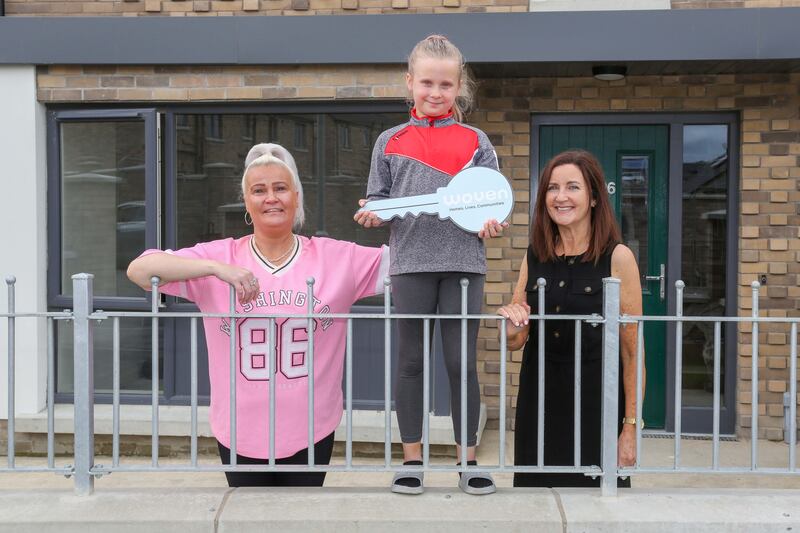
[(472, 197)]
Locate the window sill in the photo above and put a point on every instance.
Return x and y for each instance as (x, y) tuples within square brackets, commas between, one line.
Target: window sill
[(174, 420)]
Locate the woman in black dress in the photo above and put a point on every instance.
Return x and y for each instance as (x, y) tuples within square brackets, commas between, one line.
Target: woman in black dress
[(575, 243)]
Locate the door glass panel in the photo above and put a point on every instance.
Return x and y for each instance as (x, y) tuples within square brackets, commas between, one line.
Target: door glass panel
[(635, 178), (704, 227), (103, 203), (134, 357)]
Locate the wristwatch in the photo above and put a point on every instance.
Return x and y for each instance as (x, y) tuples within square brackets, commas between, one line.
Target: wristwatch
[(632, 421)]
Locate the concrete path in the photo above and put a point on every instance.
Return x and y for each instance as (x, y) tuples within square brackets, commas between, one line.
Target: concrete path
[(165, 510), (42, 502)]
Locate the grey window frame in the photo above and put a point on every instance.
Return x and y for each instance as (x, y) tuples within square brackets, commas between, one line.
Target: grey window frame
[(440, 400), (55, 296), (164, 232), (56, 299)]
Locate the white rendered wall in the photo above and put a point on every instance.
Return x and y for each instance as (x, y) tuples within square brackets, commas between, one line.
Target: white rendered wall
[(23, 236), (597, 5)]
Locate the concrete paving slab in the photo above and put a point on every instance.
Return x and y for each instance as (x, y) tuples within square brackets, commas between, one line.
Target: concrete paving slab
[(343, 509), (361, 509), (687, 510), (112, 511)]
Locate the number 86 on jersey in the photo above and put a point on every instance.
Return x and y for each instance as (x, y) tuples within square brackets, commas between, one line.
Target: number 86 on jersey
[(290, 347)]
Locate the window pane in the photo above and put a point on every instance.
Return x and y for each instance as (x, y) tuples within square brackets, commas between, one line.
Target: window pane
[(210, 171), (135, 361), (349, 139), (103, 203), (209, 189), (705, 197), (635, 185), (346, 172)]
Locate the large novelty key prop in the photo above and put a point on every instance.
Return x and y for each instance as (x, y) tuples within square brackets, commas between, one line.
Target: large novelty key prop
[(472, 197)]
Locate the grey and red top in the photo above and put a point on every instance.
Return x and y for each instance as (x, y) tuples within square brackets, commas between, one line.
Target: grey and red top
[(417, 158)]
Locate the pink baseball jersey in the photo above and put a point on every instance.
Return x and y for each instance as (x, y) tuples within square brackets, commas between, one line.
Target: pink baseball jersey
[(343, 272)]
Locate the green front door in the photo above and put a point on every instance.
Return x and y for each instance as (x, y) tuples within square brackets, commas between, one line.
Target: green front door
[(635, 163)]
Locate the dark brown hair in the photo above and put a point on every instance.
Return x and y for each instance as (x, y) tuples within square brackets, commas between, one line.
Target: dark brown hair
[(603, 225)]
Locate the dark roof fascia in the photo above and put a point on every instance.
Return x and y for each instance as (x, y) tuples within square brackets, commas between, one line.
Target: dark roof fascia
[(626, 36)]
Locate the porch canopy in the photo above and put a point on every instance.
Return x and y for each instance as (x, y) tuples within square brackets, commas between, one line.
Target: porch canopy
[(706, 41)]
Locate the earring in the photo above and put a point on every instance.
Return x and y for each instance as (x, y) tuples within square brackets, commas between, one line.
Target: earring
[(246, 216)]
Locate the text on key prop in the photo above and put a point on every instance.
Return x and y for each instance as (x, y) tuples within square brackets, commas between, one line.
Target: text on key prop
[(472, 197)]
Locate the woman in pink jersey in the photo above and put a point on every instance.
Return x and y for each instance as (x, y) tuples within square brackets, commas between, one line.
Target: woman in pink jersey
[(269, 270)]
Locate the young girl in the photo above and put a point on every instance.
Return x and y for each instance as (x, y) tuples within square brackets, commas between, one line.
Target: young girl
[(429, 256)]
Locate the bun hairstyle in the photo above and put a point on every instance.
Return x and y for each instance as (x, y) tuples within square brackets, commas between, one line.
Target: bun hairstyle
[(265, 154), (440, 47)]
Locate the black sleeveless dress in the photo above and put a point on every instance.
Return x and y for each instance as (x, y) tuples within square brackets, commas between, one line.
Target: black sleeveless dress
[(573, 287)]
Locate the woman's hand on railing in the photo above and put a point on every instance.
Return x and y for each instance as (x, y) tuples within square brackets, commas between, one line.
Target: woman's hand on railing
[(517, 315), (517, 323), (626, 446), (242, 280)]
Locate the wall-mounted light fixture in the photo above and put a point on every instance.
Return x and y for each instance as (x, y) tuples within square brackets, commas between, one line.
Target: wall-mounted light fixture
[(609, 72)]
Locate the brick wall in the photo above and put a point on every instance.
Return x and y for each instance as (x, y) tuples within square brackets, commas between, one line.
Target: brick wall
[(190, 8), (769, 107), (182, 8), (769, 218), (207, 84), (714, 4)]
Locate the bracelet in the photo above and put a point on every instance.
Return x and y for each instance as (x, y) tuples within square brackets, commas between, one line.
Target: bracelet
[(632, 421)]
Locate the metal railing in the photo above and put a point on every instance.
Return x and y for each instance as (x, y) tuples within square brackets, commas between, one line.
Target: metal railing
[(50, 318), (83, 316), (755, 320)]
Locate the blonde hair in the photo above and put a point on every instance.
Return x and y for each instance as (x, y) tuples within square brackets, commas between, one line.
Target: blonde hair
[(440, 47), (265, 154)]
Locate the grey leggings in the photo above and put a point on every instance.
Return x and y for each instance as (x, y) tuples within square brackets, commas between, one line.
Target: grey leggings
[(422, 293)]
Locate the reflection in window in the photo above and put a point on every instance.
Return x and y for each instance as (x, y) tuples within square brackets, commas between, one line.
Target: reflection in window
[(635, 175), (209, 202), (705, 198), (366, 139), (134, 359), (249, 128), (300, 136), (103, 203), (214, 127), (344, 137), (273, 130)]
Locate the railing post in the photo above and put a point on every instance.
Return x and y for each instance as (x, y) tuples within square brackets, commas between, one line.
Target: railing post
[(83, 360), (12, 356), (610, 415)]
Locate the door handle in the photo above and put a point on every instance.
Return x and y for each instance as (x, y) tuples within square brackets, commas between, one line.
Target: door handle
[(662, 279)]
